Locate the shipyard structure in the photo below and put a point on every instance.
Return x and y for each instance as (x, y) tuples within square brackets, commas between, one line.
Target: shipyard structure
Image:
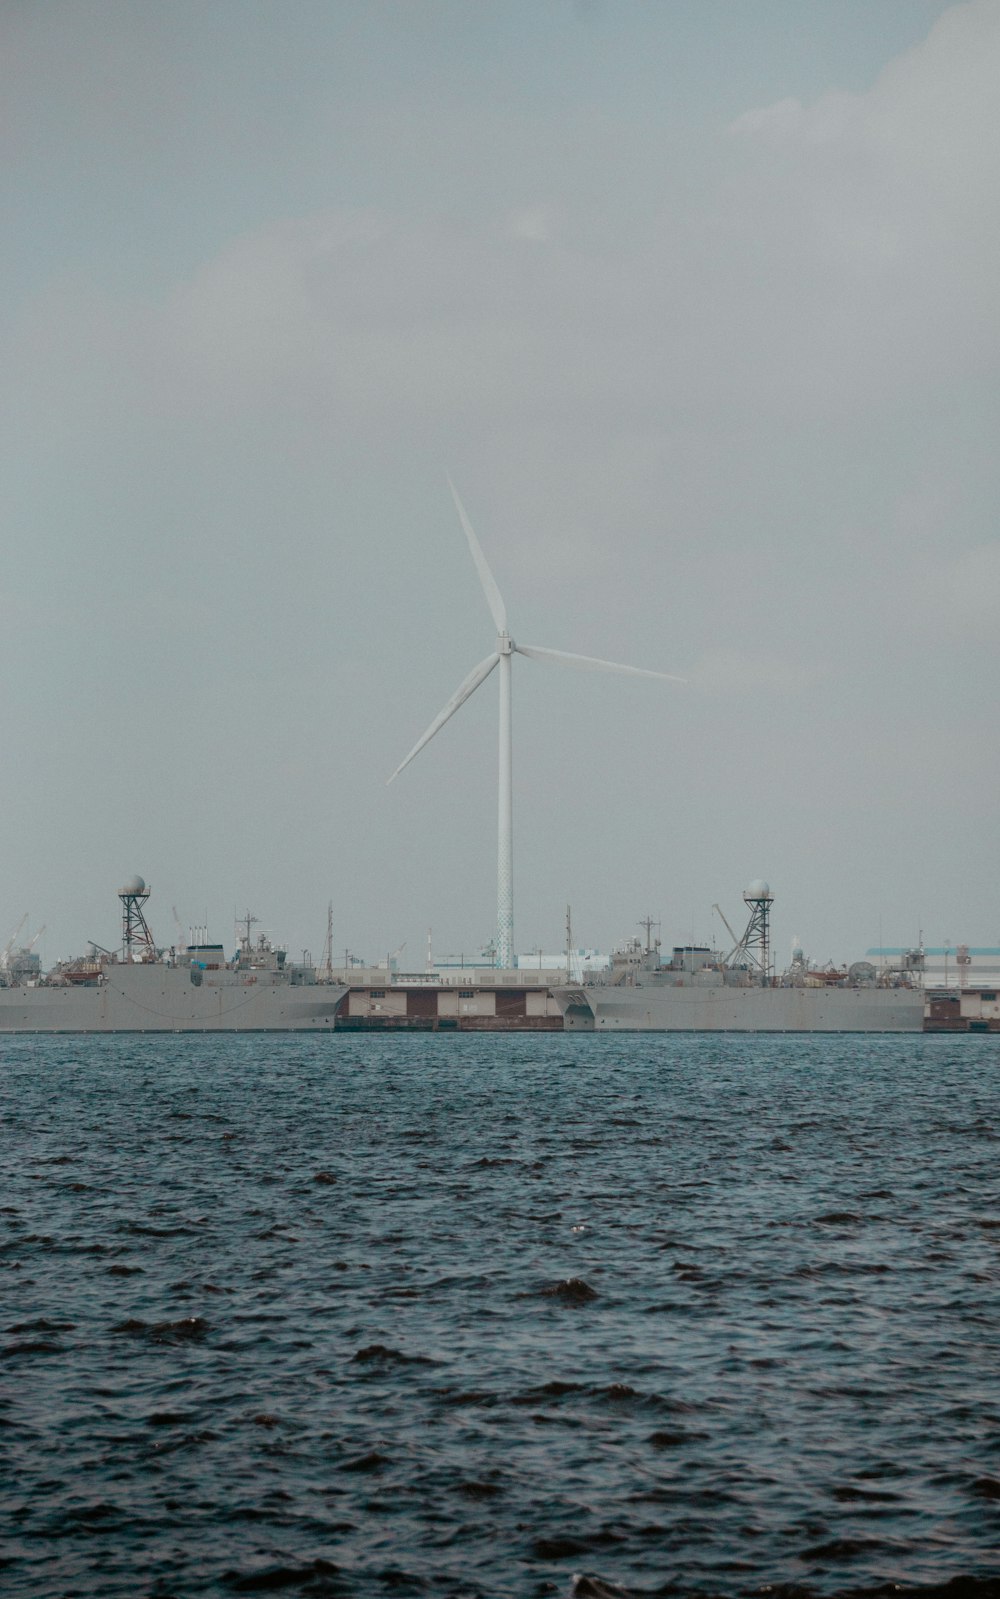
[(697, 989), (194, 987), (478, 1000), (145, 988)]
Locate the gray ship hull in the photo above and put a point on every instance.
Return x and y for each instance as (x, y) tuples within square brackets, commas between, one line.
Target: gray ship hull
[(157, 998), (722, 1008)]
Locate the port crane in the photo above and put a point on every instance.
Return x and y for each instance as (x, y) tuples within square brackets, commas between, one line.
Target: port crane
[(727, 926), (12, 940)]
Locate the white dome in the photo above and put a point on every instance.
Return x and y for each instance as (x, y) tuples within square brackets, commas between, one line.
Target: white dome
[(135, 885), (758, 889)]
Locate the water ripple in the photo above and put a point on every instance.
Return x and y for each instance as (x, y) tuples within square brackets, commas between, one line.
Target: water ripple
[(482, 1317)]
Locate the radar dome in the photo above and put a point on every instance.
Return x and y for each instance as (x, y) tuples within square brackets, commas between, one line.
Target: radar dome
[(135, 885), (758, 889)]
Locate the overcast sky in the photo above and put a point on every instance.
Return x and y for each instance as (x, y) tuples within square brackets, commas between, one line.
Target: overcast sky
[(699, 305)]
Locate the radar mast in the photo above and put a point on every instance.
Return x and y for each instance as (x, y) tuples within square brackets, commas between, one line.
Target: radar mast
[(137, 940)]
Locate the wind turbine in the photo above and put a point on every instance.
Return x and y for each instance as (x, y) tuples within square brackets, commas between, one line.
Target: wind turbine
[(501, 655)]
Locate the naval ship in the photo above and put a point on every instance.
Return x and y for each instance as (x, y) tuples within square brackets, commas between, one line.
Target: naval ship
[(697, 991), (144, 989)]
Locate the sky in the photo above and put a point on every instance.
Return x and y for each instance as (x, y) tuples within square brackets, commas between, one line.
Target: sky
[(698, 303)]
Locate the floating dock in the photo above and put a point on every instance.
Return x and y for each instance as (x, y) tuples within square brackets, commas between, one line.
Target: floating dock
[(433, 1008)]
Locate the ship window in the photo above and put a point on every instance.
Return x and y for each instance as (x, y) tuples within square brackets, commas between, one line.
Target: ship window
[(466, 993), (990, 997), (377, 993)]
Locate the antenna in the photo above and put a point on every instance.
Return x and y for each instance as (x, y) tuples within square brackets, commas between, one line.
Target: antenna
[(649, 922)]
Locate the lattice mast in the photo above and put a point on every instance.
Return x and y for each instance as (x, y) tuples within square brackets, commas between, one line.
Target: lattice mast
[(756, 941), (137, 940)]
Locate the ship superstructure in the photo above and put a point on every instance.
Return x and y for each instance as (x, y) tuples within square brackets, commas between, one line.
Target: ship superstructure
[(698, 990), (191, 989)]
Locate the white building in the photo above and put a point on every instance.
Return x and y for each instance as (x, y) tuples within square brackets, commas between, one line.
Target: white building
[(948, 966)]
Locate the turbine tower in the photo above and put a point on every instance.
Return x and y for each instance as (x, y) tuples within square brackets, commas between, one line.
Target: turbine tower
[(502, 654)]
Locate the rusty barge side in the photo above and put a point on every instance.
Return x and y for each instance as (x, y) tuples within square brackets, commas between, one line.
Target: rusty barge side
[(963, 1010), (484, 1008)]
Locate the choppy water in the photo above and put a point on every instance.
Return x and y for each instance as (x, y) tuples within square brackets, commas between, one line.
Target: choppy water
[(499, 1316)]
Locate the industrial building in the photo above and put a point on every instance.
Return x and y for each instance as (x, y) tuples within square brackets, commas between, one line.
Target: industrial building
[(956, 966)]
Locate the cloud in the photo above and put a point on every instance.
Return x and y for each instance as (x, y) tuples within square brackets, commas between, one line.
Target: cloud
[(891, 229), (957, 596), (839, 258), (720, 401), (826, 286), (737, 673), (534, 222)]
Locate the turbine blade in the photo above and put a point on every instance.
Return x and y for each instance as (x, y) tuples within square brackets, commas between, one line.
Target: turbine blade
[(590, 663), (494, 598), (478, 675)]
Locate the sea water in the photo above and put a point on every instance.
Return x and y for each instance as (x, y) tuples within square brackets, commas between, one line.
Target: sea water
[(496, 1315)]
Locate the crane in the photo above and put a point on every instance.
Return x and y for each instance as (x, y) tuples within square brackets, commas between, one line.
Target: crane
[(736, 941), (12, 940)]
